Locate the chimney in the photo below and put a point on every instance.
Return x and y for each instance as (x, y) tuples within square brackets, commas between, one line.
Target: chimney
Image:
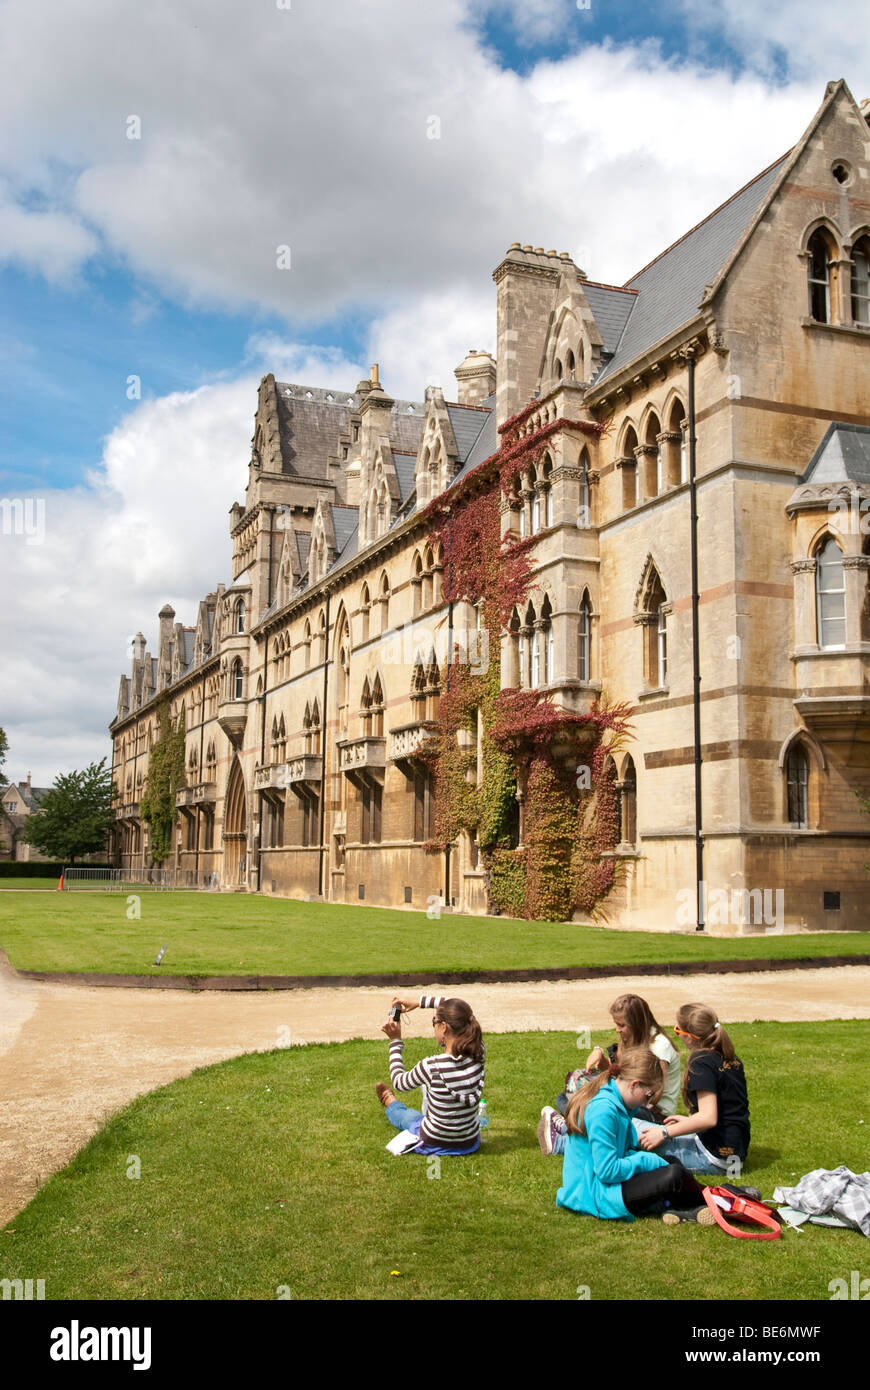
[(166, 615), (527, 279), (475, 377)]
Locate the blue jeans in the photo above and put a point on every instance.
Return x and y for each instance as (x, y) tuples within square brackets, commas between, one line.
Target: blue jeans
[(403, 1117), (685, 1147)]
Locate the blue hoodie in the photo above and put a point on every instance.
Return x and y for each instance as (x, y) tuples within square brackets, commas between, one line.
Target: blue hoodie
[(597, 1163)]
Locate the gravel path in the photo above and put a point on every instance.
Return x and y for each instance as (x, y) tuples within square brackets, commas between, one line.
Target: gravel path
[(70, 1055)]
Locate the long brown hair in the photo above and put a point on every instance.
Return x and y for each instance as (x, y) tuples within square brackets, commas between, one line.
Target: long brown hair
[(638, 1018), (707, 1035), (463, 1025), (636, 1064)]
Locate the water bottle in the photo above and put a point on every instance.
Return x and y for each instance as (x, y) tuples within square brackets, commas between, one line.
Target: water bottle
[(482, 1114)]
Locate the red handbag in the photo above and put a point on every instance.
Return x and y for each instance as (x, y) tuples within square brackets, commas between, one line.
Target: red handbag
[(722, 1201)]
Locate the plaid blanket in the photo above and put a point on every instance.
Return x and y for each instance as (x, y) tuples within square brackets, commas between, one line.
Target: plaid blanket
[(837, 1191)]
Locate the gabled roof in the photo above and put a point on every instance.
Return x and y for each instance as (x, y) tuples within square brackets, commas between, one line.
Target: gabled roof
[(671, 287), (344, 522), (486, 443), (842, 456)]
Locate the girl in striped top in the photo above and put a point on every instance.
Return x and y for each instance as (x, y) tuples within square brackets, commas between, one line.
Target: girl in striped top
[(453, 1084)]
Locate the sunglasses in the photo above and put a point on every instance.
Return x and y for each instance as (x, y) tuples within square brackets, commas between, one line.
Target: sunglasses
[(681, 1033)]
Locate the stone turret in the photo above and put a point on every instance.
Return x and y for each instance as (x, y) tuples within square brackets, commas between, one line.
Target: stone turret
[(526, 280), (475, 377)]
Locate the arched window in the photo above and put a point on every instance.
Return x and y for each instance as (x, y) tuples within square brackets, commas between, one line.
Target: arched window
[(417, 585), (797, 777), (237, 685), (306, 645), (321, 637), (627, 463), (822, 253), (569, 365), (377, 709), (428, 568), (653, 480), (547, 645), (210, 764), (584, 514), (385, 603), (653, 619), (274, 740), (365, 609), (627, 791), (433, 688), (418, 692), (240, 615), (584, 650), (861, 282), (546, 491), (557, 369), (536, 502), (830, 596)]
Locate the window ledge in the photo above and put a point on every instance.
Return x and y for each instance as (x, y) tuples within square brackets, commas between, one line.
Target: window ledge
[(850, 649), (852, 330), (654, 692), (622, 851)]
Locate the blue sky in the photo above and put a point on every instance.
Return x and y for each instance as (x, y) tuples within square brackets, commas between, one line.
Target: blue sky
[(397, 149)]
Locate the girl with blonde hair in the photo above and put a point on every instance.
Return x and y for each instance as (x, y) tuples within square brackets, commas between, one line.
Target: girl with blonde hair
[(604, 1174)]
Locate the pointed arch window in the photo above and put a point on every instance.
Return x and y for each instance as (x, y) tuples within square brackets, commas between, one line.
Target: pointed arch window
[(822, 253), (417, 585), (584, 648), (237, 681), (544, 633), (627, 804), (418, 692), (432, 688), (385, 603), (536, 501), (306, 646), (797, 776), (584, 515), (861, 282), (365, 610), (240, 615), (627, 463), (830, 597)]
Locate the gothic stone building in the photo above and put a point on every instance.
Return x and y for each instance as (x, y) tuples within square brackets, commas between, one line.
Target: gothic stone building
[(311, 682)]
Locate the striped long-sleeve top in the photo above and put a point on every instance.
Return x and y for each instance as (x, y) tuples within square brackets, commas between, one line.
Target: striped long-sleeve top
[(453, 1088)]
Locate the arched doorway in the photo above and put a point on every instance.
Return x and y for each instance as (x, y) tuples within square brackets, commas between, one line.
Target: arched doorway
[(235, 830)]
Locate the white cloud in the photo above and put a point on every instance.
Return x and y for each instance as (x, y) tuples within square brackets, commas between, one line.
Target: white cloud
[(818, 44), (310, 128)]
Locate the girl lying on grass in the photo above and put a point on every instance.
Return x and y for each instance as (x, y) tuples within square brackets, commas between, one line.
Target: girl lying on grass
[(636, 1027), (603, 1173), (714, 1136), (448, 1123)]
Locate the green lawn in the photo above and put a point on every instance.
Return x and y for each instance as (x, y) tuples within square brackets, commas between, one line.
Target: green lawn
[(218, 934), (270, 1171)]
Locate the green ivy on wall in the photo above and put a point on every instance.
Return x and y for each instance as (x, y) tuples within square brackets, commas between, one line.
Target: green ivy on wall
[(165, 777)]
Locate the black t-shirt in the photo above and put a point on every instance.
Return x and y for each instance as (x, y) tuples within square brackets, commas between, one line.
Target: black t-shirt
[(707, 1072)]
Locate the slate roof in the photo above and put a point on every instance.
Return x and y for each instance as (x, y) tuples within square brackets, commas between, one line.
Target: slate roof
[(312, 417), (467, 422), (344, 522), (610, 307), (405, 466), (303, 545), (842, 456), (484, 445), (671, 287)]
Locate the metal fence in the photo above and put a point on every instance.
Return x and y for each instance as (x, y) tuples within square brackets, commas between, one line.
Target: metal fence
[(86, 879)]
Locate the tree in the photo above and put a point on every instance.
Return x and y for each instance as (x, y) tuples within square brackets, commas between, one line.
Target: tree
[(4, 746), (75, 817), (165, 776)]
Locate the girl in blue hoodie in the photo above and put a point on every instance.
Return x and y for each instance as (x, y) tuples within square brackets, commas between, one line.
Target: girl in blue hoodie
[(604, 1173)]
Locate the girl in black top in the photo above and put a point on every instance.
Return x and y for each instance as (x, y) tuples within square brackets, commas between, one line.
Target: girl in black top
[(714, 1137)]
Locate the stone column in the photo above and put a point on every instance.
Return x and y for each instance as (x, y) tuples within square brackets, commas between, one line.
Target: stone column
[(804, 572)]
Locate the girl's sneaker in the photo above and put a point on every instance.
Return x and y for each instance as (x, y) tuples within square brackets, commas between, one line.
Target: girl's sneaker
[(550, 1126), (700, 1216)]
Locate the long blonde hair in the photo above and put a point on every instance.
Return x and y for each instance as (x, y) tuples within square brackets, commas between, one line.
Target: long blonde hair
[(638, 1016), (707, 1035), (636, 1064)]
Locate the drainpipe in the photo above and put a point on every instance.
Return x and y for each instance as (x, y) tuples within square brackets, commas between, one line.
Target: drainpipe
[(320, 868), (696, 656), (262, 751)]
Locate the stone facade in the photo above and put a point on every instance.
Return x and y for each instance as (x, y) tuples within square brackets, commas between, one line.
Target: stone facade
[(311, 682)]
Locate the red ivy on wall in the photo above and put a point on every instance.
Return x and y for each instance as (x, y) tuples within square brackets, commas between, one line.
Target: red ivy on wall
[(526, 740)]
